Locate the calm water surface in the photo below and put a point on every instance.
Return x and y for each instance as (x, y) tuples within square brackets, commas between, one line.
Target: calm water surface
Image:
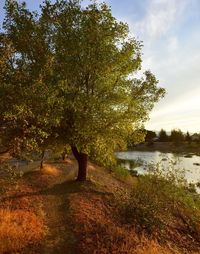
[(192, 170)]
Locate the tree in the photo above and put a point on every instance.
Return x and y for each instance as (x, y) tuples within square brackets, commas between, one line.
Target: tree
[(29, 104), (163, 137), (188, 137), (136, 137), (150, 135), (81, 61), (177, 136)]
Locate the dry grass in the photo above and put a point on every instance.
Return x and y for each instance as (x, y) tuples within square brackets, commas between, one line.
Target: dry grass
[(5, 157), (30, 217), (21, 221), (152, 247), (19, 229), (50, 170), (98, 229), (68, 162), (98, 233)]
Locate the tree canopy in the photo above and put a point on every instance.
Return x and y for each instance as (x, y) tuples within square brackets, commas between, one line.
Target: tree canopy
[(177, 136), (163, 137), (67, 75)]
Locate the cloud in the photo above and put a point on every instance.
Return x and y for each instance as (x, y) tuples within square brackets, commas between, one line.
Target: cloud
[(170, 31), (161, 16), (180, 112), (172, 44)]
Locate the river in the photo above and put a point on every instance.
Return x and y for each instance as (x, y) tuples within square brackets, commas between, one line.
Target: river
[(190, 164)]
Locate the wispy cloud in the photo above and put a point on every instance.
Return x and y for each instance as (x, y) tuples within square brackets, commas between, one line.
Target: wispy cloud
[(170, 32), (161, 16)]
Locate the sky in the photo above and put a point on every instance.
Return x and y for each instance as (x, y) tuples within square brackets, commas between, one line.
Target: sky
[(170, 32)]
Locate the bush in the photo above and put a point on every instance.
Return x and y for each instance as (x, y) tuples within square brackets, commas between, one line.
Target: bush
[(158, 200), (122, 172), (11, 172), (97, 231)]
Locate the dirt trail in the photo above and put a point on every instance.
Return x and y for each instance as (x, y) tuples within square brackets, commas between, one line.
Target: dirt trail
[(59, 238), (50, 190), (59, 234)]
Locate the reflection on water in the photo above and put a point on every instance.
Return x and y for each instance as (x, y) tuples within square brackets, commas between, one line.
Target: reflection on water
[(190, 163)]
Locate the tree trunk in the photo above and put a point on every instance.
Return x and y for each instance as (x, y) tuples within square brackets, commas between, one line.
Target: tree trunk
[(42, 160), (64, 154), (82, 159)]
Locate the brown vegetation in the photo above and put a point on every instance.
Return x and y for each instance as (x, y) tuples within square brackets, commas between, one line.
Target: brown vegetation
[(21, 222), (46, 212), (97, 232), (18, 229)]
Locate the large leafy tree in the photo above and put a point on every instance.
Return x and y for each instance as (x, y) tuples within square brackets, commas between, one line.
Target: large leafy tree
[(29, 109), (72, 78)]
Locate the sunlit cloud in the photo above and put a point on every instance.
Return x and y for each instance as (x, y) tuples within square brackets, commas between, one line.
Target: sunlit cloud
[(181, 113), (161, 15), (170, 32)]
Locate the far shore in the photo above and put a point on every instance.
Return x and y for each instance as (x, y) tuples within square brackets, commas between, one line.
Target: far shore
[(168, 147)]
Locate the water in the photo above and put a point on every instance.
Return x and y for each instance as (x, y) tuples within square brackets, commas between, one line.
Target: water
[(189, 165)]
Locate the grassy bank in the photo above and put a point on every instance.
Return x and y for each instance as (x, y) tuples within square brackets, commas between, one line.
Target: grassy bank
[(48, 212)]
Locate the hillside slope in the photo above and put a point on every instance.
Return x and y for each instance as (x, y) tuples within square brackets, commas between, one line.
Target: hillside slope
[(60, 215)]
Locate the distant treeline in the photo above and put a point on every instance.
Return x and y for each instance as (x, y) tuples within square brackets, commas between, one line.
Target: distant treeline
[(176, 136)]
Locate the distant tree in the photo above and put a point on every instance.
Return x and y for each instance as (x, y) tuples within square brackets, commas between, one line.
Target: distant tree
[(177, 136), (70, 77), (188, 137), (163, 137), (150, 135), (195, 137)]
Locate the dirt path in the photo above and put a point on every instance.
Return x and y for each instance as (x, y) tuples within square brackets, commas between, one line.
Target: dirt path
[(59, 238)]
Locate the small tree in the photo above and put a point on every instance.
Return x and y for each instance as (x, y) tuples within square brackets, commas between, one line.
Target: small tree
[(150, 135), (163, 137), (79, 63), (188, 137), (177, 136)]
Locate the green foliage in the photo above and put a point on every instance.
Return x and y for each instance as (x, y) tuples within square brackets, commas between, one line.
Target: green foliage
[(177, 136), (11, 174), (121, 172), (188, 137), (68, 77), (135, 163), (133, 172), (150, 135), (135, 137), (163, 137), (157, 200)]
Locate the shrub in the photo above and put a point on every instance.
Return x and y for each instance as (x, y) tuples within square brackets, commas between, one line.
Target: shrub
[(99, 233), (161, 199), (122, 172), (10, 172), (133, 172)]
